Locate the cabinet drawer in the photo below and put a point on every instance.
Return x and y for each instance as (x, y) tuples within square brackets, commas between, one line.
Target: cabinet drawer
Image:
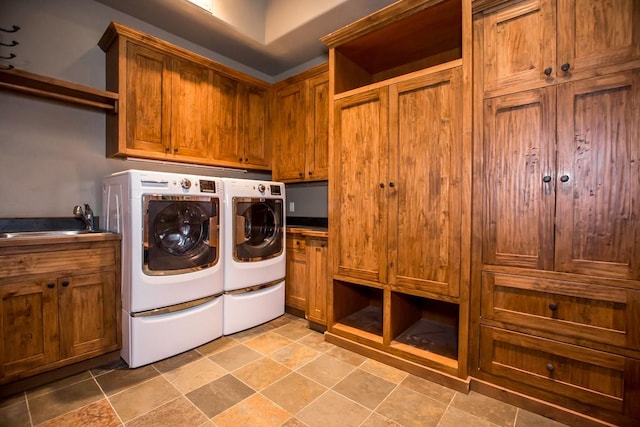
[(575, 377), (296, 243), (563, 309)]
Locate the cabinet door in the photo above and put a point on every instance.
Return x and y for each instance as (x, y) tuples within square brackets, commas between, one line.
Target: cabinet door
[(256, 148), (290, 133), (598, 187), (519, 179), (317, 150), (592, 33), (317, 280), (29, 326), (519, 44), (425, 206), (296, 281), (360, 188), (191, 112), (148, 94), (226, 143), (88, 314)]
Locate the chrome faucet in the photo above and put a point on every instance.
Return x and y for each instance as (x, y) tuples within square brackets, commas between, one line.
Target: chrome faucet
[(86, 215)]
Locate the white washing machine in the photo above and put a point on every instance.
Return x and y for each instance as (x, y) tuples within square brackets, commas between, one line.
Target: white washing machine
[(254, 240), (172, 260)]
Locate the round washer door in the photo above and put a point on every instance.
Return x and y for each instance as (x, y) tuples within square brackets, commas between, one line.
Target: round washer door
[(258, 229)]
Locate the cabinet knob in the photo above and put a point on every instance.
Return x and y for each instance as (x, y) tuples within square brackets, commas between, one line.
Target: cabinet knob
[(300, 174), (382, 185), (564, 178), (546, 178), (310, 173), (550, 367), (51, 285), (65, 284), (246, 160), (166, 149), (392, 184), (547, 71), (553, 306), (240, 159), (175, 149), (565, 67)]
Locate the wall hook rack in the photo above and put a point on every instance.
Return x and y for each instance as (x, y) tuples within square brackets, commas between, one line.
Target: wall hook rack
[(13, 43), (13, 29), (8, 67), (11, 56)]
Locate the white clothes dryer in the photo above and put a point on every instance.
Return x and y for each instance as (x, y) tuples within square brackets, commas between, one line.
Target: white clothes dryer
[(254, 270), (172, 260)]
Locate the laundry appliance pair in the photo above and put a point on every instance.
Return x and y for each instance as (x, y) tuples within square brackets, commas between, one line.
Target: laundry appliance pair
[(202, 257)]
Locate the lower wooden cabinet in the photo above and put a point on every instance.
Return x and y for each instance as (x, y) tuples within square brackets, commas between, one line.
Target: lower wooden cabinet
[(59, 304), (307, 278)]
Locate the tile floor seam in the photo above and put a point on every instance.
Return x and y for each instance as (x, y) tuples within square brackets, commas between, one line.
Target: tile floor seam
[(107, 398), (446, 409), (150, 410), (28, 408)]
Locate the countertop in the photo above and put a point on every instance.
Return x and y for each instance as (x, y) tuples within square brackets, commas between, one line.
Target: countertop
[(308, 230), (54, 240)]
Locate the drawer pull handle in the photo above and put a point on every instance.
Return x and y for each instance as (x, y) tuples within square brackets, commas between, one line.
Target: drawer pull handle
[(547, 71), (50, 285), (546, 178), (65, 284), (550, 367), (565, 67), (553, 306)]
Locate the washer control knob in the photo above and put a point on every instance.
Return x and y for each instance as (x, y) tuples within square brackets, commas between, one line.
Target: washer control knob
[(261, 188), (185, 183)]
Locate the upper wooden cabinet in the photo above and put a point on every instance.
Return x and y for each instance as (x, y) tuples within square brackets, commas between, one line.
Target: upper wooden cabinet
[(241, 123), (536, 42), (301, 127), (176, 105)]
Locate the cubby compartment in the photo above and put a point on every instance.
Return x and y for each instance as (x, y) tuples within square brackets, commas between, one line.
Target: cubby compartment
[(359, 308), (396, 41), (424, 324)]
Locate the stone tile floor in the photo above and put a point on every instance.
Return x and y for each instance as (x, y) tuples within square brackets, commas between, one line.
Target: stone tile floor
[(277, 374)]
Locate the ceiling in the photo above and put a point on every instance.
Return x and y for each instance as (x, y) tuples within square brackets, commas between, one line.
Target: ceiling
[(270, 36)]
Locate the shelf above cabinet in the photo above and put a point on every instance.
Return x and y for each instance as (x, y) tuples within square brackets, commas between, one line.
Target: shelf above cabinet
[(47, 87)]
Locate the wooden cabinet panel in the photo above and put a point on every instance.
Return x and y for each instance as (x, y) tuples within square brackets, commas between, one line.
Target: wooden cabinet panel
[(191, 110), (424, 212), (29, 325), (317, 151), (317, 280), (567, 310), (88, 313), (576, 377), (598, 217), (520, 43), (359, 206), (519, 149), (290, 128), (296, 281), (595, 33), (148, 91), (226, 144), (255, 147)]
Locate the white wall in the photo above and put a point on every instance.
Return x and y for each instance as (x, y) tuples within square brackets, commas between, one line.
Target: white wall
[(52, 155)]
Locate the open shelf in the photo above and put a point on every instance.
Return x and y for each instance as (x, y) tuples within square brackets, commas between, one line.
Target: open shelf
[(358, 307), (47, 87), (400, 39), (425, 324)]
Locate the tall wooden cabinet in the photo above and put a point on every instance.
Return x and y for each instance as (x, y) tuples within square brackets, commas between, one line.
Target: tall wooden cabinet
[(301, 126), (399, 187), (178, 106), (556, 275)]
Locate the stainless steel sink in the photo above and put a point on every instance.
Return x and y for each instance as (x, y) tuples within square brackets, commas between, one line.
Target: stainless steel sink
[(52, 233)]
